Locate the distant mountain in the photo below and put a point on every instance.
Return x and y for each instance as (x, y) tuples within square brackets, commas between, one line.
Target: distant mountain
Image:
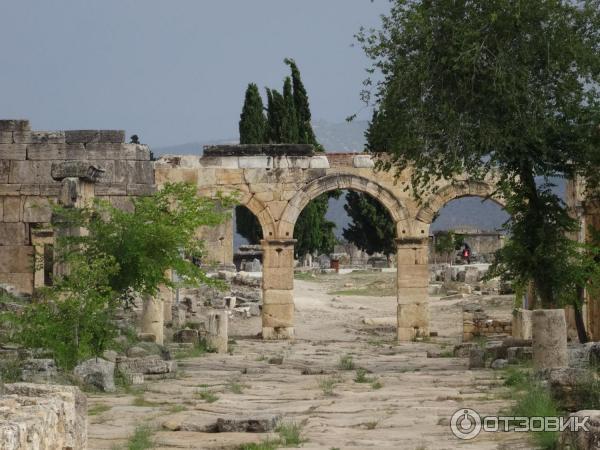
[(335, 137)]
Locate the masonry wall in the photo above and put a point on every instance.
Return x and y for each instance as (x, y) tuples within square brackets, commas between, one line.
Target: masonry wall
[(27, 188)]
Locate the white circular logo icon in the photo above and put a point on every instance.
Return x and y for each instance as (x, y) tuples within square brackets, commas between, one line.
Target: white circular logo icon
[(465, 424)]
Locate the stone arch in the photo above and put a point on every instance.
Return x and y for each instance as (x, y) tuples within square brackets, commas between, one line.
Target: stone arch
[(453, 191), (249, 200), (393, 205)]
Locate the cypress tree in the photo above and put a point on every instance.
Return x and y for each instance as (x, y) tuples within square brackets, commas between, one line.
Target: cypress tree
[(290, 123), (306, 134), (253, 123)]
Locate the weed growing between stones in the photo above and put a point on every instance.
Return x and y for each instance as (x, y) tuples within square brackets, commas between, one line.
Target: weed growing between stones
[(196, 351), (98, 409), (328, 384), (346, 363), (207, 396), (140, 440), (290, 435), (376, 384)]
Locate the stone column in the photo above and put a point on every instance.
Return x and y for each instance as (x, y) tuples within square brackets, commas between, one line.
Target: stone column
[(153, 318), (278, 289), (412, 283), (549, 338), (216, 337)]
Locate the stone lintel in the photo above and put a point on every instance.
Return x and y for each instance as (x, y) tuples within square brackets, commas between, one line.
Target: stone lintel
[(412, 242), (278, 242), (259, 149)]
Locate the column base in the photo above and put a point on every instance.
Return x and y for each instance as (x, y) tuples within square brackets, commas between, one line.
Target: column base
[(277, 333)]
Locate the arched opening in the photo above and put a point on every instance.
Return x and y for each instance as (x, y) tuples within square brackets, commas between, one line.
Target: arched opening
[(349, 274), (465, 232)]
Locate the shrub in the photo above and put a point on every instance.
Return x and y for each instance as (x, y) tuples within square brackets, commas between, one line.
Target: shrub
[(346, 363)]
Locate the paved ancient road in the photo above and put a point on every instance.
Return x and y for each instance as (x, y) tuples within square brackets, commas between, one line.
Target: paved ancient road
[(410, 410)]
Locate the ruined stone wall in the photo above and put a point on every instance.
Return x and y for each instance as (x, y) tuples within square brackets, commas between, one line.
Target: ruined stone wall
[(27, 188)]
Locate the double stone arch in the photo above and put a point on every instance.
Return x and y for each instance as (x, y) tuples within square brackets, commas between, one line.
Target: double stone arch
[(409, 222)]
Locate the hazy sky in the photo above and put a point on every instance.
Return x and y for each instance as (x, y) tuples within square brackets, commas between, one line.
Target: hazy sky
[(174, 71)]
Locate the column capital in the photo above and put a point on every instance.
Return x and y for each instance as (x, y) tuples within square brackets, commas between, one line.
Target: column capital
[(278, 242), (412, 242)]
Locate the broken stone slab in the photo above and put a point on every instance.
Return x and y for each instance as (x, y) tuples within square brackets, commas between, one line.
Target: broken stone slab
[(97, 372), (148, 366), (499, 364), (255, 424), (463, 350), (476, 358), (187, 335), (14, 125), (380, 321), (516, 355), (38, 369), (88, 136), (565, 383), (53, 416), (76, 169)]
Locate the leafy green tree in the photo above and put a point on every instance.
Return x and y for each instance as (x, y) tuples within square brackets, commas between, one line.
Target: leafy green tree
[(504, 87), (122, 253), (312, 230), (253, 124)]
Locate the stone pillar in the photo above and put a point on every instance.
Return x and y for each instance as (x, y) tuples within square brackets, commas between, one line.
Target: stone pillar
[(412, 283), (549, 338), (216, 338), (521, 324), (153, 318), (278, 289)]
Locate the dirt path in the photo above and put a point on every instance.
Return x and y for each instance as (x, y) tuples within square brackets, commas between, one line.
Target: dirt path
[(406, 404)]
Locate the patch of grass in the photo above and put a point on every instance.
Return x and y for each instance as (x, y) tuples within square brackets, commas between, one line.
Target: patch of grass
[(447, 354), (267, 444), (10, 370), (371, 425), (536, 401), (290, 434), (207, 396), (176, 408), (376, 384), (328, 384), (98, 409), (361, 376), (346, 362), (141, 439), (236, 388), (515, 377), (375, 342), (141, 402)]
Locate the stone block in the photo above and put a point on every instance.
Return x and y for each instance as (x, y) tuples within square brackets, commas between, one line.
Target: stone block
[(521, 324), (76, 169), (319, 162), (50, 189), (13, 209), (123, 203), (49, 151), (278, 255), (13, 234), (22, 283), (13, 151), (88, 136), (30, 172), (229, 177), (6, 137), (582, 439), (273, 333), (363, 161), (141, 189), (106, 151), (150, 365), (110, 189), (255, 162), (549, 338), (37, 210), (278, 315), (476, 358), (186, 335), (140, 172), (98, 373), (278, 278), (278, 296), (4, 170), (22, 137), (413, 276), (48, 137), (255, 424), (43, 416), (16, 259), (14, 125)]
